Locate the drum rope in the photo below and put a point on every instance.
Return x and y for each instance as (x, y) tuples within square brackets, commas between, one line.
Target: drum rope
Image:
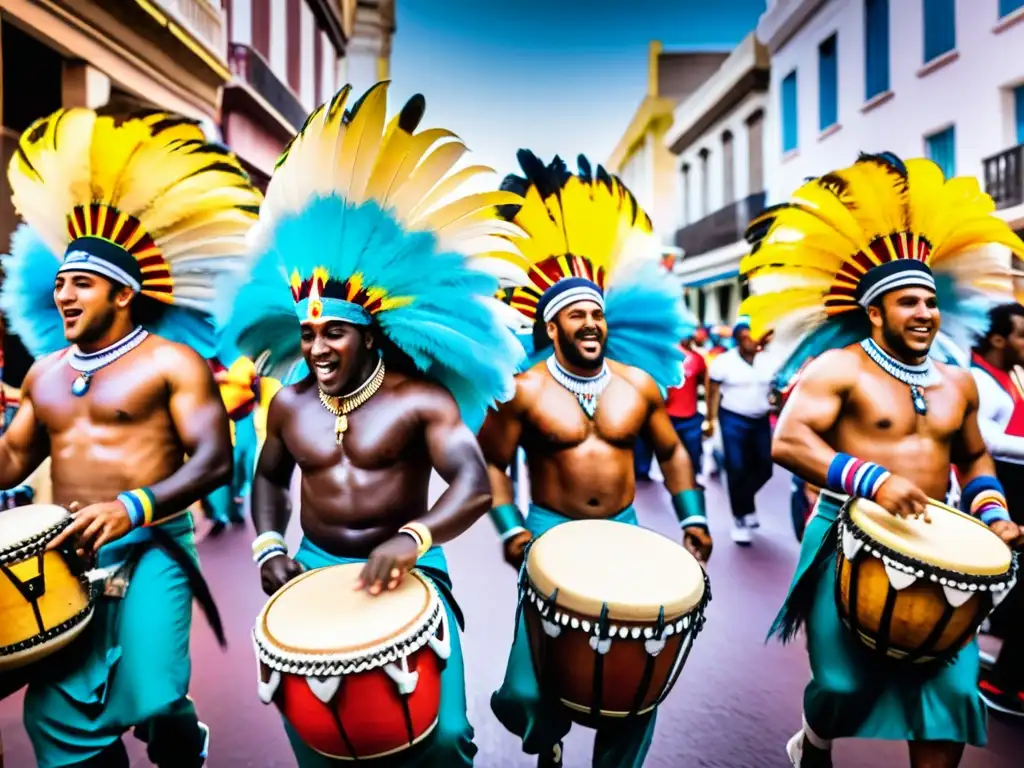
[(696, 627), (602, 634), (648, 675), (336, 716)]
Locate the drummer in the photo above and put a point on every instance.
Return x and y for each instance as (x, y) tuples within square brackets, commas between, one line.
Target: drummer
[(577, 414), (120, 409), (878, 419), (403, 348)]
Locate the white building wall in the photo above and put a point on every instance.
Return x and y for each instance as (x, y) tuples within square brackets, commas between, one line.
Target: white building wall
[(307, 64), (327, 66), (241, 22), (279, 39), (970, 91)]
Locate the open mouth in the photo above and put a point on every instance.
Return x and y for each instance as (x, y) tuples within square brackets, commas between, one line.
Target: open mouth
[(325, 369), (919, 330), (72, 314)]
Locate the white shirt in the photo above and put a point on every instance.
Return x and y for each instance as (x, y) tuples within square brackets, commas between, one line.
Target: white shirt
[(994, 411), (744, 387)]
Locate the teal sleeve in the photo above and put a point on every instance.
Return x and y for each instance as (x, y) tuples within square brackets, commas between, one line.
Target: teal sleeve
[(508, 520), (689, 507)]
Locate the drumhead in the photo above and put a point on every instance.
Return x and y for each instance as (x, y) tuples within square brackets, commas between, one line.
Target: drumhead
[(952, 541), (23, 525), (320, 612), (634, 570)]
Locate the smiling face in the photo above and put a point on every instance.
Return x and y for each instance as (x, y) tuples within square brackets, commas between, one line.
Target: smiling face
[(89, 305), (337, 353), (906, 321), (579, 332)]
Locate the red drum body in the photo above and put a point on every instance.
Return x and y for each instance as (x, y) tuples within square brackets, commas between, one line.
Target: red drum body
[(612, 611), (356, 676)]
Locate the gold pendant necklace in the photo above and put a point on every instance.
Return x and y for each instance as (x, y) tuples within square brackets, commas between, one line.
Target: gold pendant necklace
[(342, 406)]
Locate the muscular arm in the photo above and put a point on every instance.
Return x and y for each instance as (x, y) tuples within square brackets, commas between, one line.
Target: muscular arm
[(672, 456), (201, 422), (969, 454), (271, 501), (25, 444), (498, 439)]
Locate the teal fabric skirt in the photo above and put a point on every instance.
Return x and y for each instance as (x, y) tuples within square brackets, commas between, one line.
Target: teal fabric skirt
[(854, 692), (542, 723), (451, 741), (130, 668)]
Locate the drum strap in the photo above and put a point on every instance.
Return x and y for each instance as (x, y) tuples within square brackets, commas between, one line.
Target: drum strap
[(602, 634), (196, 582)]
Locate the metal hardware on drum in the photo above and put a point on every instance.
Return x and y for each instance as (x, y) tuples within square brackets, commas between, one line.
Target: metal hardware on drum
[(913, 591)]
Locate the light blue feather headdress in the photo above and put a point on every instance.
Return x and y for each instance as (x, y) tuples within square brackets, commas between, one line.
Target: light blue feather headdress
[(360, 225), (144, 202), (586, 238)]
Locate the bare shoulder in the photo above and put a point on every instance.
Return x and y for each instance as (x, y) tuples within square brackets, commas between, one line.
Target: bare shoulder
[(430, 400), (837, 368), (961, 378), (639, 379), (178, 362)]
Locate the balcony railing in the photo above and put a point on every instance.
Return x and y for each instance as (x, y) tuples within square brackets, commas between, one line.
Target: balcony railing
[(1003, 177), (724, 226), (247, 65), (203, 19)]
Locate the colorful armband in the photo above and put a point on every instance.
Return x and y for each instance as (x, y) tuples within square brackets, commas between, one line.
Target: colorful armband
[(855, 477), (419, 532), (140, 504), (508, 520), (689, 507), (984, 498), (267, 545)]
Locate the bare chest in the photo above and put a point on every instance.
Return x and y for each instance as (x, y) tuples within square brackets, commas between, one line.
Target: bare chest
[(557, 418), (884, 407), (120, 394)]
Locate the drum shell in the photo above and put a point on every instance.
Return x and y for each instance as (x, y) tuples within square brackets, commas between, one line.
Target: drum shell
[(375, 717), (915, 614), (565, 667), (64, 608)]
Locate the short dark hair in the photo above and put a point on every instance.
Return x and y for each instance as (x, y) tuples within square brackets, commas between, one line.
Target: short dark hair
[(1000, 323)]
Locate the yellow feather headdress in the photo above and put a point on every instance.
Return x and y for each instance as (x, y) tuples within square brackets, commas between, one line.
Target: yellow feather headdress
[(144, 201), (847, 237)]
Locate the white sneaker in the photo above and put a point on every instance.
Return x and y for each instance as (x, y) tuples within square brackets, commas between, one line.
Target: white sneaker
[(740, 533), (205, 729), (751, 520), (795, 749)]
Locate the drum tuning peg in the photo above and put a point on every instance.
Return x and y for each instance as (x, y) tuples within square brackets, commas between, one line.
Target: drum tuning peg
[(268, 688), (899, 579), (600, 645), (654, 646), (956, 597), (325, 688), (851, 544), (551, 629)]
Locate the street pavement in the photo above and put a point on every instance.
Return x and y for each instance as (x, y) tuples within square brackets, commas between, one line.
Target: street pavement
[(735, 705)]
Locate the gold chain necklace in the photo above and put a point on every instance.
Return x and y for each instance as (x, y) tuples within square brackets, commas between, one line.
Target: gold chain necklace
[(341, 406)]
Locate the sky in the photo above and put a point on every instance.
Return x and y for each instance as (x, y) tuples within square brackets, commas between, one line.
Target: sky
[(554, 76)]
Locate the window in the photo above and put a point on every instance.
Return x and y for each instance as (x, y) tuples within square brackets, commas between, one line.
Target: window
[(828, 84), (941, 149), (939, 28), (1018, 112), (1006, 7), (789, 125), (876, 47)]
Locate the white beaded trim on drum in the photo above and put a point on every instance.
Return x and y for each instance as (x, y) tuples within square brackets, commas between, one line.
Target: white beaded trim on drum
[(902, 575), (33, 545), (677, 627), (351, 662)]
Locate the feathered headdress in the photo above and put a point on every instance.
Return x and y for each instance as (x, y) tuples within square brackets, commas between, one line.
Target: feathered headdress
[(586, 238), (360, 224), (144, 202), (848, 237)]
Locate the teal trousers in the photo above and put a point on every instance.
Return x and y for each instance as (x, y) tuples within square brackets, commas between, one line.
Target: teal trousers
[(541, 722), (450, 744), (855, 693)]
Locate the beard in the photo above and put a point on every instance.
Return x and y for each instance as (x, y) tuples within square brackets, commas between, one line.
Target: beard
[(572, 354), (895, 342), (97, 328)]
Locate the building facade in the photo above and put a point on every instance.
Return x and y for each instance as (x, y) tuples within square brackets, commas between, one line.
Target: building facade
[(718, 142), (937, 78)]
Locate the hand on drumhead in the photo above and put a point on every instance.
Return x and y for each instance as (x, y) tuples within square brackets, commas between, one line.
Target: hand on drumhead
[(515, 548), (1009, 532), (903, 498), (387, 564), (697, 541), (94, 525), (278, 571)]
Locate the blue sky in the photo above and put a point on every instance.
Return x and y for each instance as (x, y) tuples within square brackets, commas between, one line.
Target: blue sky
[(556, 76)]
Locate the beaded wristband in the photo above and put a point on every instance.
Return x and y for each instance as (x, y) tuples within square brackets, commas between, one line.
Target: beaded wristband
[(268, 544), (855, 477), (420, 532), (689, 507), (984, 498), (508, 520), (140, 504)]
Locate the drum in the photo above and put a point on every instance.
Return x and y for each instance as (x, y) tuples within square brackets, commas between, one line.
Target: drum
[(917, 591), (45, 597), (611, 611), (356, 676)]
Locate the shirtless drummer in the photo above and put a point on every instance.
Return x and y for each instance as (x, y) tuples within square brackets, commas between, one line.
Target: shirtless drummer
[(119, 411), (401, 334), (577, 414), (877, 417)]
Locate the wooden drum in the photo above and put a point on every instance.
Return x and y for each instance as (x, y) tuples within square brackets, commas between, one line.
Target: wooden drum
[(611, 611), (45, 597), (918, 591), (356, 676)]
